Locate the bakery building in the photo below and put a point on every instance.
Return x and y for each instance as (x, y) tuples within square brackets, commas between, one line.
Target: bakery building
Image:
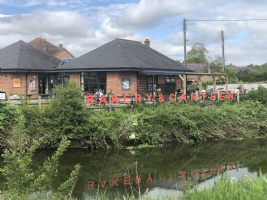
[(123, 66)]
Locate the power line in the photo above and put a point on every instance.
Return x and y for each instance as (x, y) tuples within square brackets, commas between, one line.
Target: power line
[(234, 53), (227, 20)]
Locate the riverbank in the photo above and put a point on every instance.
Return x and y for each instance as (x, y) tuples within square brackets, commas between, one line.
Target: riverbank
[(167, 122)]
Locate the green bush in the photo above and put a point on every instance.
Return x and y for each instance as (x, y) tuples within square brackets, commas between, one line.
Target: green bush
[(259, 95), (66, 115), (8, 113)]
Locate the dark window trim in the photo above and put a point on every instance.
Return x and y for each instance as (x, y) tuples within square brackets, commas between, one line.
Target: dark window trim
[(96, 81), (155, 82)]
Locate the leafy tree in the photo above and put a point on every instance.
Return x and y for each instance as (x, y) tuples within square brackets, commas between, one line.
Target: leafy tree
[(197, 54), (215, 64), (231, 76)]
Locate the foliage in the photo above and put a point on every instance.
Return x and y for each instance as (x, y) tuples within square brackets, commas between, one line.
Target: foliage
[(245, 70), (8, 113), (164, 122), (21, 180), (259, 95), (231, 188), (197, 54), (193, 88), (259, 68), (66, 115), (231, 76), (214, 64), (254, 77)]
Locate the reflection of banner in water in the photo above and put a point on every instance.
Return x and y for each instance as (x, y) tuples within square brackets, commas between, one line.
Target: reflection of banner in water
[(203, 174)]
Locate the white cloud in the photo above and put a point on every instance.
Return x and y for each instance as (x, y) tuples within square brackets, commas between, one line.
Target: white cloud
[(76, 29)]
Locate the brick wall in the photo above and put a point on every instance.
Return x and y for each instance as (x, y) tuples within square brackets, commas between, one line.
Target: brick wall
[(161, 79), (75, 76), (6, 83), (63, 54), (114, 82), (142, 83), (178, 82)]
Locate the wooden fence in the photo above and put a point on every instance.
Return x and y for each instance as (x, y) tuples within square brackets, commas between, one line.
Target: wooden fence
[(121, 103)]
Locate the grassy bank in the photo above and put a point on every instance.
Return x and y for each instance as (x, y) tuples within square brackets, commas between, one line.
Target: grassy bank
[(166, 123)]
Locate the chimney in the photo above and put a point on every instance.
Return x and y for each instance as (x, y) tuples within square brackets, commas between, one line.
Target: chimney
[(60, 45), (147, 42)]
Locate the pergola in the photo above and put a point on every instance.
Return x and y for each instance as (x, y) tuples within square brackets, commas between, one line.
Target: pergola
[(200, 76)]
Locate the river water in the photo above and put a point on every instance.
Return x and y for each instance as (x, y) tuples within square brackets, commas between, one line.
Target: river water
[(163, 170)]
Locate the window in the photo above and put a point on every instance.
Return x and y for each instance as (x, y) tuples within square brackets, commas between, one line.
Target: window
[(169, 79), (150, 83), (93, 81)]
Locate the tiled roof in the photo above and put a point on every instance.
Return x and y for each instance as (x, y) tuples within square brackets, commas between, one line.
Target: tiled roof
[(22, 56), (41, 43), (125, 54)]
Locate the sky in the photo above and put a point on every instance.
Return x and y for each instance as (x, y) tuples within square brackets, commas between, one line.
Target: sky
[(84, 25)]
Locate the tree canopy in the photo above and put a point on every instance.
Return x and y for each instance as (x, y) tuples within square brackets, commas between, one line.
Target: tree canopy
[(197, 54)]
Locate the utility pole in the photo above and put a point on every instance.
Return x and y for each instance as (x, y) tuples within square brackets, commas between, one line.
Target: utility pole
[(223, 63), (185, 43)]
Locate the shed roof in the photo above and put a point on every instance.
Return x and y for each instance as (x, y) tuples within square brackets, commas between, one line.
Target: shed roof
[(23, 56), (124, 54)]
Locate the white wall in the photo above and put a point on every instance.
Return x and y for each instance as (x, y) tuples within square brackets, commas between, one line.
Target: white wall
[(247, 86)]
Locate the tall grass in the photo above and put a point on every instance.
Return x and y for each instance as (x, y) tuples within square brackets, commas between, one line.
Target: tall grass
[(226, 188)]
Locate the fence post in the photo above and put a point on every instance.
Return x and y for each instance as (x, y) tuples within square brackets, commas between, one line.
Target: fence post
[(175, 96), (237, 96), (40, 106), (154, 99), (109, 99), (218, 95), (197, 96), (84, 99), (9, 99), (132, 102), (29, 97), (46, 92)]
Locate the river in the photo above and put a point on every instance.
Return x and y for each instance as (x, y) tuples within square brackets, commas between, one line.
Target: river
[(163, 170)]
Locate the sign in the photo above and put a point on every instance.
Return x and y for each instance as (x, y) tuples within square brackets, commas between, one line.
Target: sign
[(90, 98), (125, 84), (32, 84), (16, 82), (2, 95)]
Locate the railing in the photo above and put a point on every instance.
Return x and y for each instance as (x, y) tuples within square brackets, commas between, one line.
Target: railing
[(150, 102)]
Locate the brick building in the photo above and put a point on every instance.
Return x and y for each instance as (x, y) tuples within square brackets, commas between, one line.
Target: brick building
[(23, 66), (123, 66), (57, 51), (126, 67)]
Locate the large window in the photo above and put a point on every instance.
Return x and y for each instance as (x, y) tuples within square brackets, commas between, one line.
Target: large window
[(93, 81), (169, 79), (150, 83)]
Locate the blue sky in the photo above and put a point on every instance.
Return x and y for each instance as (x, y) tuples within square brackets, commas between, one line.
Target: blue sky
[(83, 25)]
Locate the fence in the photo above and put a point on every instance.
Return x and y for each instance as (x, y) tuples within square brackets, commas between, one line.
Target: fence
[(122, 104)]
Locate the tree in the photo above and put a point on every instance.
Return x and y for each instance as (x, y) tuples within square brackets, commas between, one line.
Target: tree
[(197, 54), (215, 64)]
